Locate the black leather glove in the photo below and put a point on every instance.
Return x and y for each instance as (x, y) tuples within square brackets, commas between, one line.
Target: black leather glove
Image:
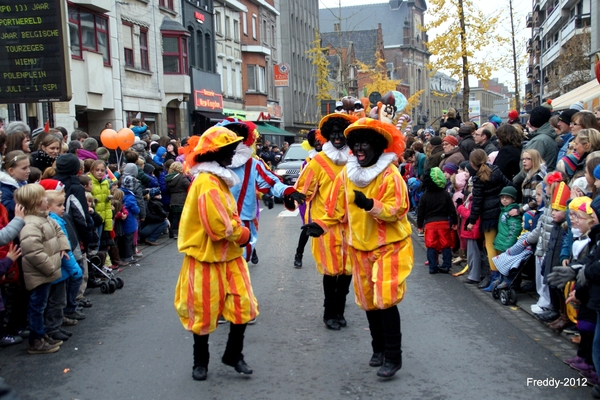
[(313, 229), (459, 202), (268, 200), (363, 201), (291, 199)]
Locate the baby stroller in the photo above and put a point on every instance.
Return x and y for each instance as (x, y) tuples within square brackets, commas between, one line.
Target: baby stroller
[(507, 290), (110, 283), (512, 264)]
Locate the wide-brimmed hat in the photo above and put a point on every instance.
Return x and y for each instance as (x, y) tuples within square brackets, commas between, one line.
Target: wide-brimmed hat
[(395, 140), (215, 138)]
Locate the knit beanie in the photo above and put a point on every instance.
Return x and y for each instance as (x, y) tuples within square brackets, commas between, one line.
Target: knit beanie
[(577, 106), (153, 192), (472, 171), (68, 164), (580, 183), (90, 144), (509, 191), (130, 169), (437, 176), (513, 114), (102, 153), (451, 139), (436, 141), (463, 164), (539, 116), (148, 169), (450, 168), (596, 206), (597, 172)]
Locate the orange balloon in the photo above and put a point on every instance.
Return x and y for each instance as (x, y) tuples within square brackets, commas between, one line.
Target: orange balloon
[(125, 138), (108, 137)]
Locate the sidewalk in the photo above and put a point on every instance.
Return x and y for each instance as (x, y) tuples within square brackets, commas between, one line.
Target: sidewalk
[(519, 314)]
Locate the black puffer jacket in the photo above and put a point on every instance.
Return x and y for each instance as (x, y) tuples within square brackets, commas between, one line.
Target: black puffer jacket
[(486, 199), (552, 258), (592, 269), (435, 205)]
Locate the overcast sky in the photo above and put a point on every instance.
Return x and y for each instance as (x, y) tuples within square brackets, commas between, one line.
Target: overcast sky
[(489, 7)]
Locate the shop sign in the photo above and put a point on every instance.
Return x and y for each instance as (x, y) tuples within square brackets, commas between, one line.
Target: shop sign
[(208, 100)]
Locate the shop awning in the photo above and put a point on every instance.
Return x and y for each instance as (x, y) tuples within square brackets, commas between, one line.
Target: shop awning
[(212, 115), (264, 128), (588, 93)]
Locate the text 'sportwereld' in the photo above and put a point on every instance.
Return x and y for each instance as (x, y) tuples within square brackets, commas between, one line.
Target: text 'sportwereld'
[(34, 67)]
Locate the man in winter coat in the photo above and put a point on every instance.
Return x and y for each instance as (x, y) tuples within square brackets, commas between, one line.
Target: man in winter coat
[(564, 125), (467, 142), (437, 152), (483, 140), (156, 219), (542, 136)]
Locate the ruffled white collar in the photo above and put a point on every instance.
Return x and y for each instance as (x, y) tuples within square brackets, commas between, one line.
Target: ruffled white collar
[(242, 155), (338, 156), (360, 176), (213, 167), (312, 153)]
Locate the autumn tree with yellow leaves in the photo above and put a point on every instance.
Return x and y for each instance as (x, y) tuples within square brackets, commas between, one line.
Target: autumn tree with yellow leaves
[(466, 31), (378, 80), (320, 70)]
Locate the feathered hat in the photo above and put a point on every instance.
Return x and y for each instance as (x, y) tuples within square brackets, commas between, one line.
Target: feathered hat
[(395, 140), (212, 140), (347, 117), (250, 135)]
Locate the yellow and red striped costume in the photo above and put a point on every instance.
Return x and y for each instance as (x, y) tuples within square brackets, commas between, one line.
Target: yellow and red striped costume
[(379, 247), (214, 277), (330, 249)]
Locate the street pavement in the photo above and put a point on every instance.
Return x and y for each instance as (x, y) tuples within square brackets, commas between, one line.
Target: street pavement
[(458, 343)]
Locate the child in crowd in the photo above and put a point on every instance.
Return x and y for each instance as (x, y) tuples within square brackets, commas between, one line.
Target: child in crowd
[(509, 228), (156, 219), (459, 184), (129, 224), (560, 196), (437, 217), (473, 239), (178, 185), (34, 175), (43, 244), (539, 237), (57, 299)]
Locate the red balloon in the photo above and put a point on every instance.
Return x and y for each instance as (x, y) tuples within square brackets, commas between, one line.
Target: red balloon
[(108, 137), (125, 138), (597, 68)]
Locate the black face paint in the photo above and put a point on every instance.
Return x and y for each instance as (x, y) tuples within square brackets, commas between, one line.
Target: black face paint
[(337, 138), (226, 157), (318, 146), (365, 154)]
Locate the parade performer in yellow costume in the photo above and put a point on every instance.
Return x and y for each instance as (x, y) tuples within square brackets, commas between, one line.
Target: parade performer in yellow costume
[(214, 277), (329, 250), (371, 197)]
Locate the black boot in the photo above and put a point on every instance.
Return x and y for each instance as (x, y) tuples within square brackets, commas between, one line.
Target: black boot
[(298, 261), (393, 342), (254, 258), (329, 315), (393, 356), (377, 339), (233, 351), (201, 357), (341, 291)]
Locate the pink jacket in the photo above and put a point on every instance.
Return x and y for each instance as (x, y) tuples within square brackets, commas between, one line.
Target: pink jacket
[(464, 213)]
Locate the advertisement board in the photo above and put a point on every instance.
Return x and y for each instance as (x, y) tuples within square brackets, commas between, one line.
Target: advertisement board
[(281, 75)]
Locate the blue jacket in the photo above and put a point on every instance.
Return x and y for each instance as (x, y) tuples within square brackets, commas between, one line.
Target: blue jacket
[(8, 185), (158, 158), (139, 131), (69, 267), (567, 138), (259, 178), (130, 224)]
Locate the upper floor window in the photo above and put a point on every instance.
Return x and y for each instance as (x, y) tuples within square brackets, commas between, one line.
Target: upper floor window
[(245, 23), (88, 31), (175, 54), (145, 64), (218, 22), (256, 78), (227, 26), (236, 29), (128, 44), (166, 4), (254, 23)]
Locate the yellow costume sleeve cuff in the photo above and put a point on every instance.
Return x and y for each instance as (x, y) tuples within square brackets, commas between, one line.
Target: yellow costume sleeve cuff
[(244, 237)]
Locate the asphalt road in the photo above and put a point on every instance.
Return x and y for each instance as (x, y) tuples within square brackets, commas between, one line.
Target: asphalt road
[(457, 342)]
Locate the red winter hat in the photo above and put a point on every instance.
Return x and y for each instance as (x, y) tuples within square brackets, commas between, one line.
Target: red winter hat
[(513, 114), (451, 139), (52, 184)]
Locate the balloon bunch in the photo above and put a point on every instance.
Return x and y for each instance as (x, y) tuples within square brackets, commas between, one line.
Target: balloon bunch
[(114, 140)]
